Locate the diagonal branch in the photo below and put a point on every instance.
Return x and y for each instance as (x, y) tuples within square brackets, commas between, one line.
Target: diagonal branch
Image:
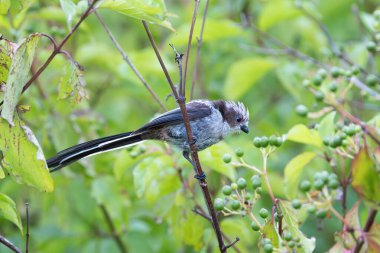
[(198, 55), (9, 244), (194, 154), (182, 87), (129, 62)]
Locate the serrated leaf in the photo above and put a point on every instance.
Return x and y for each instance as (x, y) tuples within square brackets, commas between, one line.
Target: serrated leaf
[(212, 158), (18, 75), (293, 171), (245, 73), (327, 126), (23, 157), (365, 177), (153, 11), (8, 211), (291, 220), (270, 232), (300, 133), (4, 6), (72, 83)]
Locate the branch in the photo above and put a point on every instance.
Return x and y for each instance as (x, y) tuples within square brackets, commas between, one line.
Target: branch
[(194, 154), (182, 87), (367, 228), (27, 228), (198, 56), (9, 245), (129, 62), (113, 231)]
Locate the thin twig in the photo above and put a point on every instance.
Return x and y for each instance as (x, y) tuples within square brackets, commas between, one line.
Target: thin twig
[(113, 231), (198, 55), (27, 228), (9, 244), (194, 153), (182, 88), (367, 228), (129, 62)]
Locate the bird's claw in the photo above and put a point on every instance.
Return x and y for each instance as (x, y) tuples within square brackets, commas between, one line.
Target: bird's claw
[(201, 176)]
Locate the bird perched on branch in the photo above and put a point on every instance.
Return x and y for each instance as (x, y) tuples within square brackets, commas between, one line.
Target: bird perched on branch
[(210, 122)]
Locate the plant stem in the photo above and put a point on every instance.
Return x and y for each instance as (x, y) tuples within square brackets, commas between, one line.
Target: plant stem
[(265, 176), (9, 245)]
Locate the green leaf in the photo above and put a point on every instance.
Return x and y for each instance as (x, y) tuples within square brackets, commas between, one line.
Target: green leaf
[(293, 171), (155, 177), (18, 75), (7, 49), (8, 211), (153, 11), (327, 125), (4, 6), (300, 133), (72, 83), (23, 157), (373, 239), (270, 232), (365, 177), (212, 158), (243, 74), (70, 10), (291, 220), (275, 12)]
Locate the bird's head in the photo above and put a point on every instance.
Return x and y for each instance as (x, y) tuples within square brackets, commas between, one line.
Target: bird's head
[(235, 114)]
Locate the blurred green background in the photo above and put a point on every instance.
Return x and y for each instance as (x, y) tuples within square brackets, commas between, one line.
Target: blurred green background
[(140, 188)]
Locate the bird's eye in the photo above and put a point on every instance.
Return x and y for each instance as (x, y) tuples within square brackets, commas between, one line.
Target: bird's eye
[(238, 119)]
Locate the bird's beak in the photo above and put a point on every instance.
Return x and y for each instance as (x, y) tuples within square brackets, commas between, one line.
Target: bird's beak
[(244, 128)]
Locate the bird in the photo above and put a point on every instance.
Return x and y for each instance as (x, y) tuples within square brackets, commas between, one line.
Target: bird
[(210, 120)]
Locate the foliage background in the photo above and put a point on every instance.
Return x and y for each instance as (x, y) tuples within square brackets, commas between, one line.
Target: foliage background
[(142, 193)]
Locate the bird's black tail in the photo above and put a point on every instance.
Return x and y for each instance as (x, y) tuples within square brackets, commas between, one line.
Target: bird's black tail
[(75, 153)]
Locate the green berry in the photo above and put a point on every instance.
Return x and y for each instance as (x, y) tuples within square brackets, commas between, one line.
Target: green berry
[(268, 248), (259, 190), (321, 213), (219, 204), (134, 153), (288, 236), (319, 96), (247, 196), (326, 141), (335, 72), (272, 140), (264, 141), (256, 183), (306, 83), (305, 186), (227, 158), (318, 184), (239, 152), (336, 141), (254, 226), (263, 213), (376, 14), (312, 209), (296, 204), (234, 186), (317, 80), (242, 183), (257, 142), (302, 110), (371, 80), (291, 244), (358, 128), (333, 184), (371, 46), (266, 241), (227, 190), (355, 70), (235, 204), (324, 176), (322, 73), (279, 141), (333, 87)]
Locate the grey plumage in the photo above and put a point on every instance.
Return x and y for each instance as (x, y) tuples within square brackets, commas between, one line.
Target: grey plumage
[(210, 122)]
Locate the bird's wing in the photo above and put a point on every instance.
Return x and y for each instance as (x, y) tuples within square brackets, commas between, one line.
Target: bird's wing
[(195, 110)]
